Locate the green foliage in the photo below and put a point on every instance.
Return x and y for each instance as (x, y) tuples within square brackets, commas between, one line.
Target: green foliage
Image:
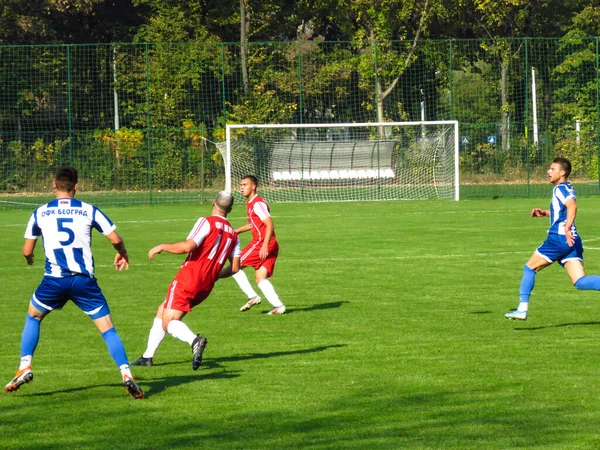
[(31, 167), (260, 103)]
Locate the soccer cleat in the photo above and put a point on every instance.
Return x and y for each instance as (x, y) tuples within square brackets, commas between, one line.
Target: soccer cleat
[(253, 301), (277, 310), (141, 361), (516, 315), (198, 347), (22, 377), (132, 388)]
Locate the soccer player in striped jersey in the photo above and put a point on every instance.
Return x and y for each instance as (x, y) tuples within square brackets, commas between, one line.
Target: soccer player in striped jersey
[(209, 245), (261, 253), (65, 225), (563, 244)]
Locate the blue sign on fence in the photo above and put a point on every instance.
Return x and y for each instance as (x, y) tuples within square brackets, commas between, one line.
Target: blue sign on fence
[(464, 140), (491, 140)]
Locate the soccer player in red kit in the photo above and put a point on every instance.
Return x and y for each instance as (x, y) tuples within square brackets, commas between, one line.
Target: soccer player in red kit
[(261, 253), (209, 245)]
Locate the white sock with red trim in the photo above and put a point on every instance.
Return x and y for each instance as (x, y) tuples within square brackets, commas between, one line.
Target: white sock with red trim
[(180, 330), (269, 292), (156, 336), (244, 284)]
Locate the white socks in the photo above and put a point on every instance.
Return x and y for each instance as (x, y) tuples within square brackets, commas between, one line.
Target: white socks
[(265, 286), (157, 334), (125, 371), (244, 284), (269, 292), (523, 307), (180, 330), (25, 362)]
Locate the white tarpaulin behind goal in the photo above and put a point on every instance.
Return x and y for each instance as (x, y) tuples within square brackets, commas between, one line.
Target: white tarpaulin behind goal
[(345, 162)]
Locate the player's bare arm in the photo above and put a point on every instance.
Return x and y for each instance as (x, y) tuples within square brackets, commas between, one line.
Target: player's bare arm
[(179, 248), (121, 258), (538, 212), (28, 248), (244, 228), (264, 249), (571, 205)]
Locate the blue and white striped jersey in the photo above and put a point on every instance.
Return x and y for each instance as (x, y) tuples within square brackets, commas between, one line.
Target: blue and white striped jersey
[(65, 225), (561, 193)]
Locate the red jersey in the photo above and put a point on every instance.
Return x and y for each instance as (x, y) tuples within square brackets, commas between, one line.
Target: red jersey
[(216, 242), (257, 210)]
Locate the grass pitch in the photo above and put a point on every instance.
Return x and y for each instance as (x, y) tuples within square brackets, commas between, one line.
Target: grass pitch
[(394, 338)]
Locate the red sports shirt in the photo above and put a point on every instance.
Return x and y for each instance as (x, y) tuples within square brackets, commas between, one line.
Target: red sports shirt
[(216, 242), (257, 211)]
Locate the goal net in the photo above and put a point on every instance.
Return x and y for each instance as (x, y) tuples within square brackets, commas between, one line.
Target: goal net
[(345, 162)]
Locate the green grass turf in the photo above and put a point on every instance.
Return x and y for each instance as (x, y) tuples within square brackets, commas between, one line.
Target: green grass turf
[(394, 338)]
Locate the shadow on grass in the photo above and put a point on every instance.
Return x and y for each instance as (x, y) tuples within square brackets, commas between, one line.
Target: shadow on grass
[(318, 307), (304, 351), (158, 385), (213, 363), (478, 312), (573, 324)]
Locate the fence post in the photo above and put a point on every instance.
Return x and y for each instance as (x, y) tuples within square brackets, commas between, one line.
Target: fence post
[(223, 83), (148, 143), (69, 105), (300, 81), (377, 118), (597, 112), (527, 153), (450, 81)]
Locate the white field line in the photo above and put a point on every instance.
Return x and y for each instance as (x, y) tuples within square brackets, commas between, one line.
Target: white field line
[(480, 255), (307, 216)]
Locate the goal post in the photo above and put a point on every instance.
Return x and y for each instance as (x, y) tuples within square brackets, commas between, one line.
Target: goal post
[(346, 161)]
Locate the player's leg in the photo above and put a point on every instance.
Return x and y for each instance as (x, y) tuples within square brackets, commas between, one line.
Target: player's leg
[(253, 298), (155, 337), (47, 297), (249, 258), (573, 263), (117, 351), (172, 323), (29, 342), (88, 296), (537, 262), (263, 283)]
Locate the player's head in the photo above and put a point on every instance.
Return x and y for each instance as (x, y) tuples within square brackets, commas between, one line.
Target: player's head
[(248, 185), (223, 202), (564, 164), (65, 179)]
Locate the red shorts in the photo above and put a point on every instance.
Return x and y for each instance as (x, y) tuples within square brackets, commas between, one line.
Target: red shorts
[(250, 256), (181, 299)]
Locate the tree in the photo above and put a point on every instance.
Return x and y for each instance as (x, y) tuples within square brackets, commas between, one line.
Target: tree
[(387, 33), (576, 95)]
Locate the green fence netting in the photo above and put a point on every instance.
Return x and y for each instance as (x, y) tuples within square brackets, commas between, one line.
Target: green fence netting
[(139, 120)]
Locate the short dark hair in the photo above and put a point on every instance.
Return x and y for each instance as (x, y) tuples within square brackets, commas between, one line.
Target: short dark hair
[(251, 178), (565, 165), (66, 179)]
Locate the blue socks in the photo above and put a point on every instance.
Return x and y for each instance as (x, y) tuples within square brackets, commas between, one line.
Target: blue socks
[(115, 347), (588, 283), (30, 336), (527, 284)]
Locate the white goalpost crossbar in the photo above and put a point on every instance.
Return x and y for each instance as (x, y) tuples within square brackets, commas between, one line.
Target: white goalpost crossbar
[(377, 173)]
